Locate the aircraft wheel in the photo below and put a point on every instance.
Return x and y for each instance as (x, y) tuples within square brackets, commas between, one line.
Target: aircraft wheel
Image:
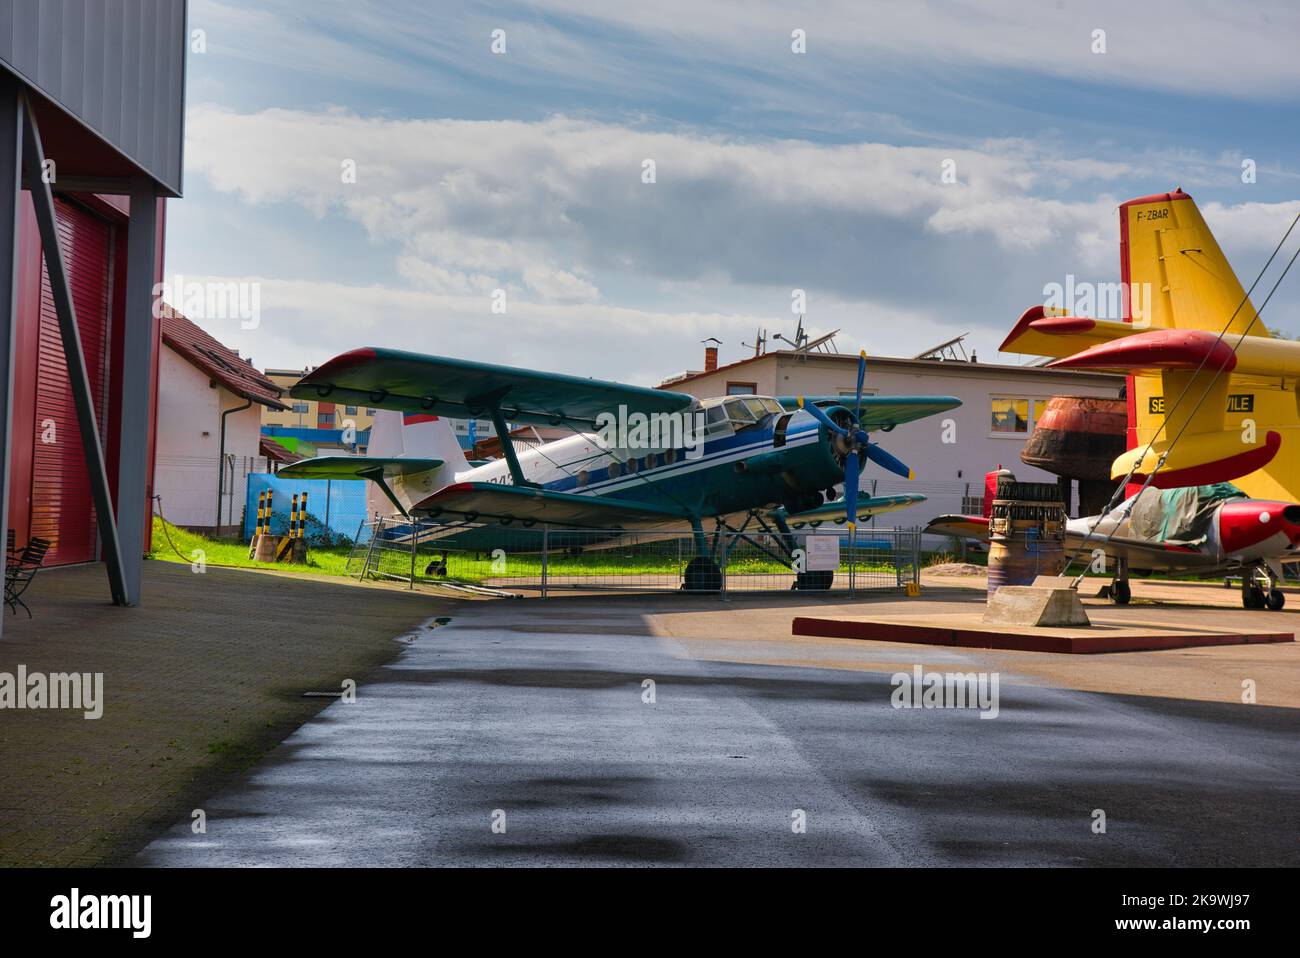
[(1252, 597), (814, 581), (1276, 600), (702, 575), (436, 567), (1120, 593)]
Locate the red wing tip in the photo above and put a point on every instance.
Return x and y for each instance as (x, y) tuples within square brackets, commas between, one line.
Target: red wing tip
[(343, 361), (1028, 316)]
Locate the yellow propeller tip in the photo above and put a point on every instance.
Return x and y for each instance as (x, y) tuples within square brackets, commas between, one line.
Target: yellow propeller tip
[(863, 354), (800, 402), (852, 526), (911, 473)]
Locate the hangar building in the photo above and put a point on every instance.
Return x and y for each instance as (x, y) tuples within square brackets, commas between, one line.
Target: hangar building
[(91, 107)]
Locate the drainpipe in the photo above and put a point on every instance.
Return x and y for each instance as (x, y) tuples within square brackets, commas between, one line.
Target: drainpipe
[(221, 462)]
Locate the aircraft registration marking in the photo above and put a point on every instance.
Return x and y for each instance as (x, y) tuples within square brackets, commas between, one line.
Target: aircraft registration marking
[(1237, 402)]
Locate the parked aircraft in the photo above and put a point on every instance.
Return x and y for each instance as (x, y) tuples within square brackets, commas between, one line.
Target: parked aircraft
[(640, 459), (1194, 334), (1207, 530)]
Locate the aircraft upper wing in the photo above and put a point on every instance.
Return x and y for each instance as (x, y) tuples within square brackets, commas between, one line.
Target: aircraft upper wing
[(882, 412), (355, 467), (836, 511), (491, 501), (460, 389)]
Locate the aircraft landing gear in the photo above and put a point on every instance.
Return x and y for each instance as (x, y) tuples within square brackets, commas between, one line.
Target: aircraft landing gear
[(702, 575), (814, 581), (437, 567), (1118, 591), (1259, 589)]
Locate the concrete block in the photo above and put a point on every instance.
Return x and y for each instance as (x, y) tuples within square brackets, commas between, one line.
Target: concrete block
[(1034, 606)]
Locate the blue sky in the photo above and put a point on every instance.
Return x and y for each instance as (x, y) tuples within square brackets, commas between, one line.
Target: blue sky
[(820, 171)]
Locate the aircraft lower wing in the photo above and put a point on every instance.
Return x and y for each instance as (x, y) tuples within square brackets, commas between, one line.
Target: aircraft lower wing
[(502, 504), (836, 511), (1138, 553)]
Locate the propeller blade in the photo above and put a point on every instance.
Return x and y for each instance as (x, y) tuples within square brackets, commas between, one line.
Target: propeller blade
[(862, 375), (821, 417), (851, 488), (877, 454)]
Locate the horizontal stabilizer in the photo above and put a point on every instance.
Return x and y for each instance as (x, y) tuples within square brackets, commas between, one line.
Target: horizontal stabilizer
[(356, 467), (1161, 349), (1044, 331)]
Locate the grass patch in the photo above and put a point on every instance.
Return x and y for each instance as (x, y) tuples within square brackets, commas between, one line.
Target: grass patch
[(217, 552)]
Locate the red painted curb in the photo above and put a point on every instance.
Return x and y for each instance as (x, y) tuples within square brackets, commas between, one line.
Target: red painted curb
[(976, 639)]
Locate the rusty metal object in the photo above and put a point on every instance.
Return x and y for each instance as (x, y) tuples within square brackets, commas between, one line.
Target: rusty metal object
[(1078, 437), (1026, 532)]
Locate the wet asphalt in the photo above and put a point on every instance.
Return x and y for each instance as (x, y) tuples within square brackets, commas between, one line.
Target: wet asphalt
[(487, 743)]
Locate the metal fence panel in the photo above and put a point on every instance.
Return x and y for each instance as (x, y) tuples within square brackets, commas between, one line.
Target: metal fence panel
[(552, 561)]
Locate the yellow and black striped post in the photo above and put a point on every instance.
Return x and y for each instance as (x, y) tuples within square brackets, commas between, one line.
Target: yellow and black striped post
[(261, 512), (302, 516), (293, 518)]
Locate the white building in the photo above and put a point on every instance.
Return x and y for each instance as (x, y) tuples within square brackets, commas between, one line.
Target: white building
[(949, 453), (210, 404)]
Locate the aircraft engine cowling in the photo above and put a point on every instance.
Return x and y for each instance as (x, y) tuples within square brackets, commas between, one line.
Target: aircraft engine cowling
[(1249, 523)]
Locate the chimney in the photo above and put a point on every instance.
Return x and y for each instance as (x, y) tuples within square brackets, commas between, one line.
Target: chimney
[(710, 358)]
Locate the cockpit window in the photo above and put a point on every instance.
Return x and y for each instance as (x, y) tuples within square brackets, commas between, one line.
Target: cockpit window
[(760, 407), (739, 413)]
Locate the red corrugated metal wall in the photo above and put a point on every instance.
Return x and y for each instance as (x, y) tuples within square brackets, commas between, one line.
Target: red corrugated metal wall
[(49, 491), (61, 509)]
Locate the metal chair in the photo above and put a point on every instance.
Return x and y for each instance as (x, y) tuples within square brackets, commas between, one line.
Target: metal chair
[(19, 576)]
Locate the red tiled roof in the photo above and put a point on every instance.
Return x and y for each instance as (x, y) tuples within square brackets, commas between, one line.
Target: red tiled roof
[(221, 364), (273, 450)]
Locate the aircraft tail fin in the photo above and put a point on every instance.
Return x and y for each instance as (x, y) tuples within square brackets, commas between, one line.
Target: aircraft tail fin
[(414, 436), (1176, 274)]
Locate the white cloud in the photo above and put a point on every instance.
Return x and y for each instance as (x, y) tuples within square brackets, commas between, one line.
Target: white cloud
[(607, 274)]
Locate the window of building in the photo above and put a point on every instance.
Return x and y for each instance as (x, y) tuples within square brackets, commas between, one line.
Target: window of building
[(349, 410), (1014, 415), (325, 418), (741, 389), (301, 407), (369, 411)]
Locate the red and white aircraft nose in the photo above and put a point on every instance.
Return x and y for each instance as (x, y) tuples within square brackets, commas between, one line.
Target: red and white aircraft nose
[(1243, 525)]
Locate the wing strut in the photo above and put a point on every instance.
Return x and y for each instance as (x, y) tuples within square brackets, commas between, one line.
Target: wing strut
[(377, 477), (508, 445)]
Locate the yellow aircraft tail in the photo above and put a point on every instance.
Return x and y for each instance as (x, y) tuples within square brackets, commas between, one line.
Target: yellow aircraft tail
[(1179, 295)]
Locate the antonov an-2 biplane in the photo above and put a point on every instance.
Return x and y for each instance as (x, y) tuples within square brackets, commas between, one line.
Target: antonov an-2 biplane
[(759, 464)]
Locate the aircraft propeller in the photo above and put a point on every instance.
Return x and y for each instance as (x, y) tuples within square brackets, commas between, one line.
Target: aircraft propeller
[(858, 442)]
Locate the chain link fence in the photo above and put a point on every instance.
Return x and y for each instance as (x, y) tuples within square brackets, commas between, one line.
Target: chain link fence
[(550, 561)]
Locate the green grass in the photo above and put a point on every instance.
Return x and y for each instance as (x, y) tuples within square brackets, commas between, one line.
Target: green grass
[(216, 552)]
